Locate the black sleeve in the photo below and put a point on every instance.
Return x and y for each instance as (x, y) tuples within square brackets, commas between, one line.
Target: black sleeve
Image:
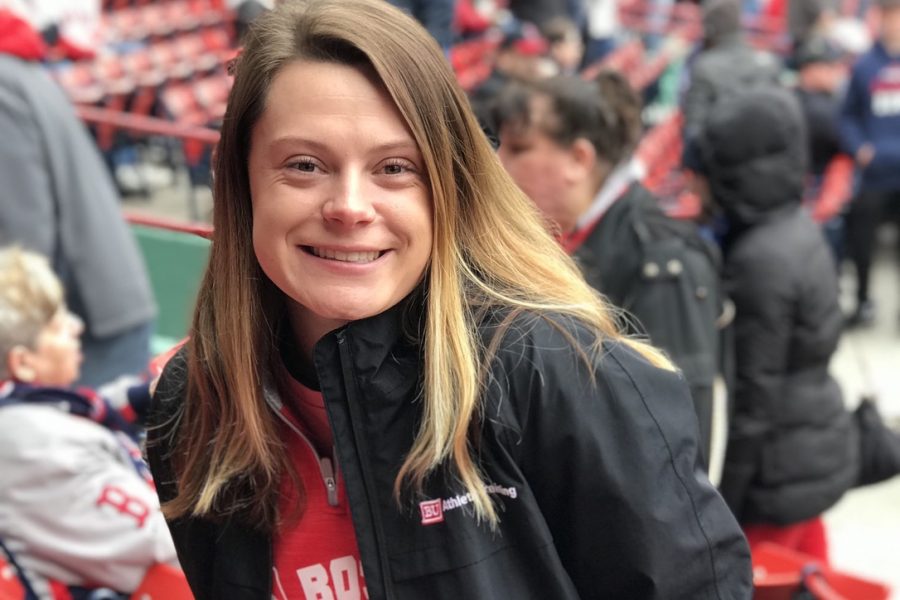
[(194, 538), (162, 424), (763, 303), (612, 457)]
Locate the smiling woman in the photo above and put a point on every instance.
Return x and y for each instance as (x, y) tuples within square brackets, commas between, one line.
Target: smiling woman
[(341, 207), (397, 384)]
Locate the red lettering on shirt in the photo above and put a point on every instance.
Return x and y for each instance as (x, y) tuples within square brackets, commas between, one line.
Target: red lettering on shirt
[(124, 503), (432, 511)]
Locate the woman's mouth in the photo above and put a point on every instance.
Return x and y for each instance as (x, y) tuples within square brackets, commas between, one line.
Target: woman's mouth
[(351, 257)]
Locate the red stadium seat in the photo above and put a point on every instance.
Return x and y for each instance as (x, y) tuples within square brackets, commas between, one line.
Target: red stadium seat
[(779, 574), (10, 588), (163, 582)]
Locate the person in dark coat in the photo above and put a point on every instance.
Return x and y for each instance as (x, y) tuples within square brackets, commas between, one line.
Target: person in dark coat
[(725, 66), (820, 75), (792, 451), (568, 143)]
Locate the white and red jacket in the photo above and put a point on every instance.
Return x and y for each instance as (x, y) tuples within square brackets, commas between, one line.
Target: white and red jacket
[(74, 508)]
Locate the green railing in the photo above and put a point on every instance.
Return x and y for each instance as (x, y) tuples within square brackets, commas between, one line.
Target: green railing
[(175, 256)]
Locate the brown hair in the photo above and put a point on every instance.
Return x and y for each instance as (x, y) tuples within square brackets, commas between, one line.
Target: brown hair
[(605, 111), (489, 249)]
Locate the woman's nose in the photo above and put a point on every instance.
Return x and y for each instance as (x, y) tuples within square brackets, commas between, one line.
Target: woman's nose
[(350, 203)]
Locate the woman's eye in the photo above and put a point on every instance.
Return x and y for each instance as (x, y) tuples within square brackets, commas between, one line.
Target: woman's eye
[(306, 166), (397, 168)]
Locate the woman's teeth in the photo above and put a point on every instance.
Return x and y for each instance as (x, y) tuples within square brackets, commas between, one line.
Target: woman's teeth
[(354, 257)]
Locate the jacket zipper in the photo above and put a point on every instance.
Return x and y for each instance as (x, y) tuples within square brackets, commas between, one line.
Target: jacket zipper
[(368, 484), (326, 467)]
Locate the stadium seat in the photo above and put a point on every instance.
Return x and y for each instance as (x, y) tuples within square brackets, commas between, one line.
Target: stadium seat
[(781, 574), (10, 588), (163, 582)]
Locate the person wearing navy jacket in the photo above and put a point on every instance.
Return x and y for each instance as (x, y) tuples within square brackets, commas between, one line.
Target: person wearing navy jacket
[(870, 131)]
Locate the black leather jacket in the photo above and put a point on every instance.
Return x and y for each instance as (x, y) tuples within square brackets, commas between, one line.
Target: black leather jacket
[(608, 498)]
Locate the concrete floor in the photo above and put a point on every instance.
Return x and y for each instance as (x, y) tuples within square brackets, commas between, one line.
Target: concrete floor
[(864, 527)]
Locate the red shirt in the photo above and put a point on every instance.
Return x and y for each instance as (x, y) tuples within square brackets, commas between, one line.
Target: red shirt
[(316, 556)]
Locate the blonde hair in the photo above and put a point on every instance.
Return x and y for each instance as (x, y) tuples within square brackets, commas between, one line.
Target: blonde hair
[(30, 296), (490, 249)]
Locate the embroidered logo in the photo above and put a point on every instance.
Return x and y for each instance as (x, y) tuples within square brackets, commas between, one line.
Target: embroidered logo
[(432, 511)]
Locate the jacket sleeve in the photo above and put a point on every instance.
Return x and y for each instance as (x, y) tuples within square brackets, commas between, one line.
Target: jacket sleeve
[(27, 214), (198, 541), (698, 99), (611, 454), (762, 342), (853, 109)]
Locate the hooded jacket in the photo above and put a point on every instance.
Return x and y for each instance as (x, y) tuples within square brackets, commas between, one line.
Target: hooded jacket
[(598, 485), (792, 451)]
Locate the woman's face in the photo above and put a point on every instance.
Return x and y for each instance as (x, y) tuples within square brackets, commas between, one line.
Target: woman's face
[(545, 170), (341, 202)]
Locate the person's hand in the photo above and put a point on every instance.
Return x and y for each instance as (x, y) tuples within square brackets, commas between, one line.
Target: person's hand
[(865, 154)]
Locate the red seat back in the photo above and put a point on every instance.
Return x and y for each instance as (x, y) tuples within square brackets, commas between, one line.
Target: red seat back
[(163, 582)]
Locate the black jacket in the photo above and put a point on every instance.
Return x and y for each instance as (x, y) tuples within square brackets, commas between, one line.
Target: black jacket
[(609, 501), (666, 276), (821, 112), (728, 68), (792, 450)]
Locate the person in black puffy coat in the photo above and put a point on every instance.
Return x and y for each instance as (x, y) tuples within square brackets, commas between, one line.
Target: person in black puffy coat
[(793, 450)]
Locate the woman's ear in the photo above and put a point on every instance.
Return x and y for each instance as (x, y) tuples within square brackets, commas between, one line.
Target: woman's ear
[(18, 361), (584, 157)]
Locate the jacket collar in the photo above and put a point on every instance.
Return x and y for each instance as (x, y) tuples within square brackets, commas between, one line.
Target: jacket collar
[(392, 335)]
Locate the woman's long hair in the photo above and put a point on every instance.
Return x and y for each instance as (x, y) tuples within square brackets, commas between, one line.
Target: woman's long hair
[(490, 249)]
